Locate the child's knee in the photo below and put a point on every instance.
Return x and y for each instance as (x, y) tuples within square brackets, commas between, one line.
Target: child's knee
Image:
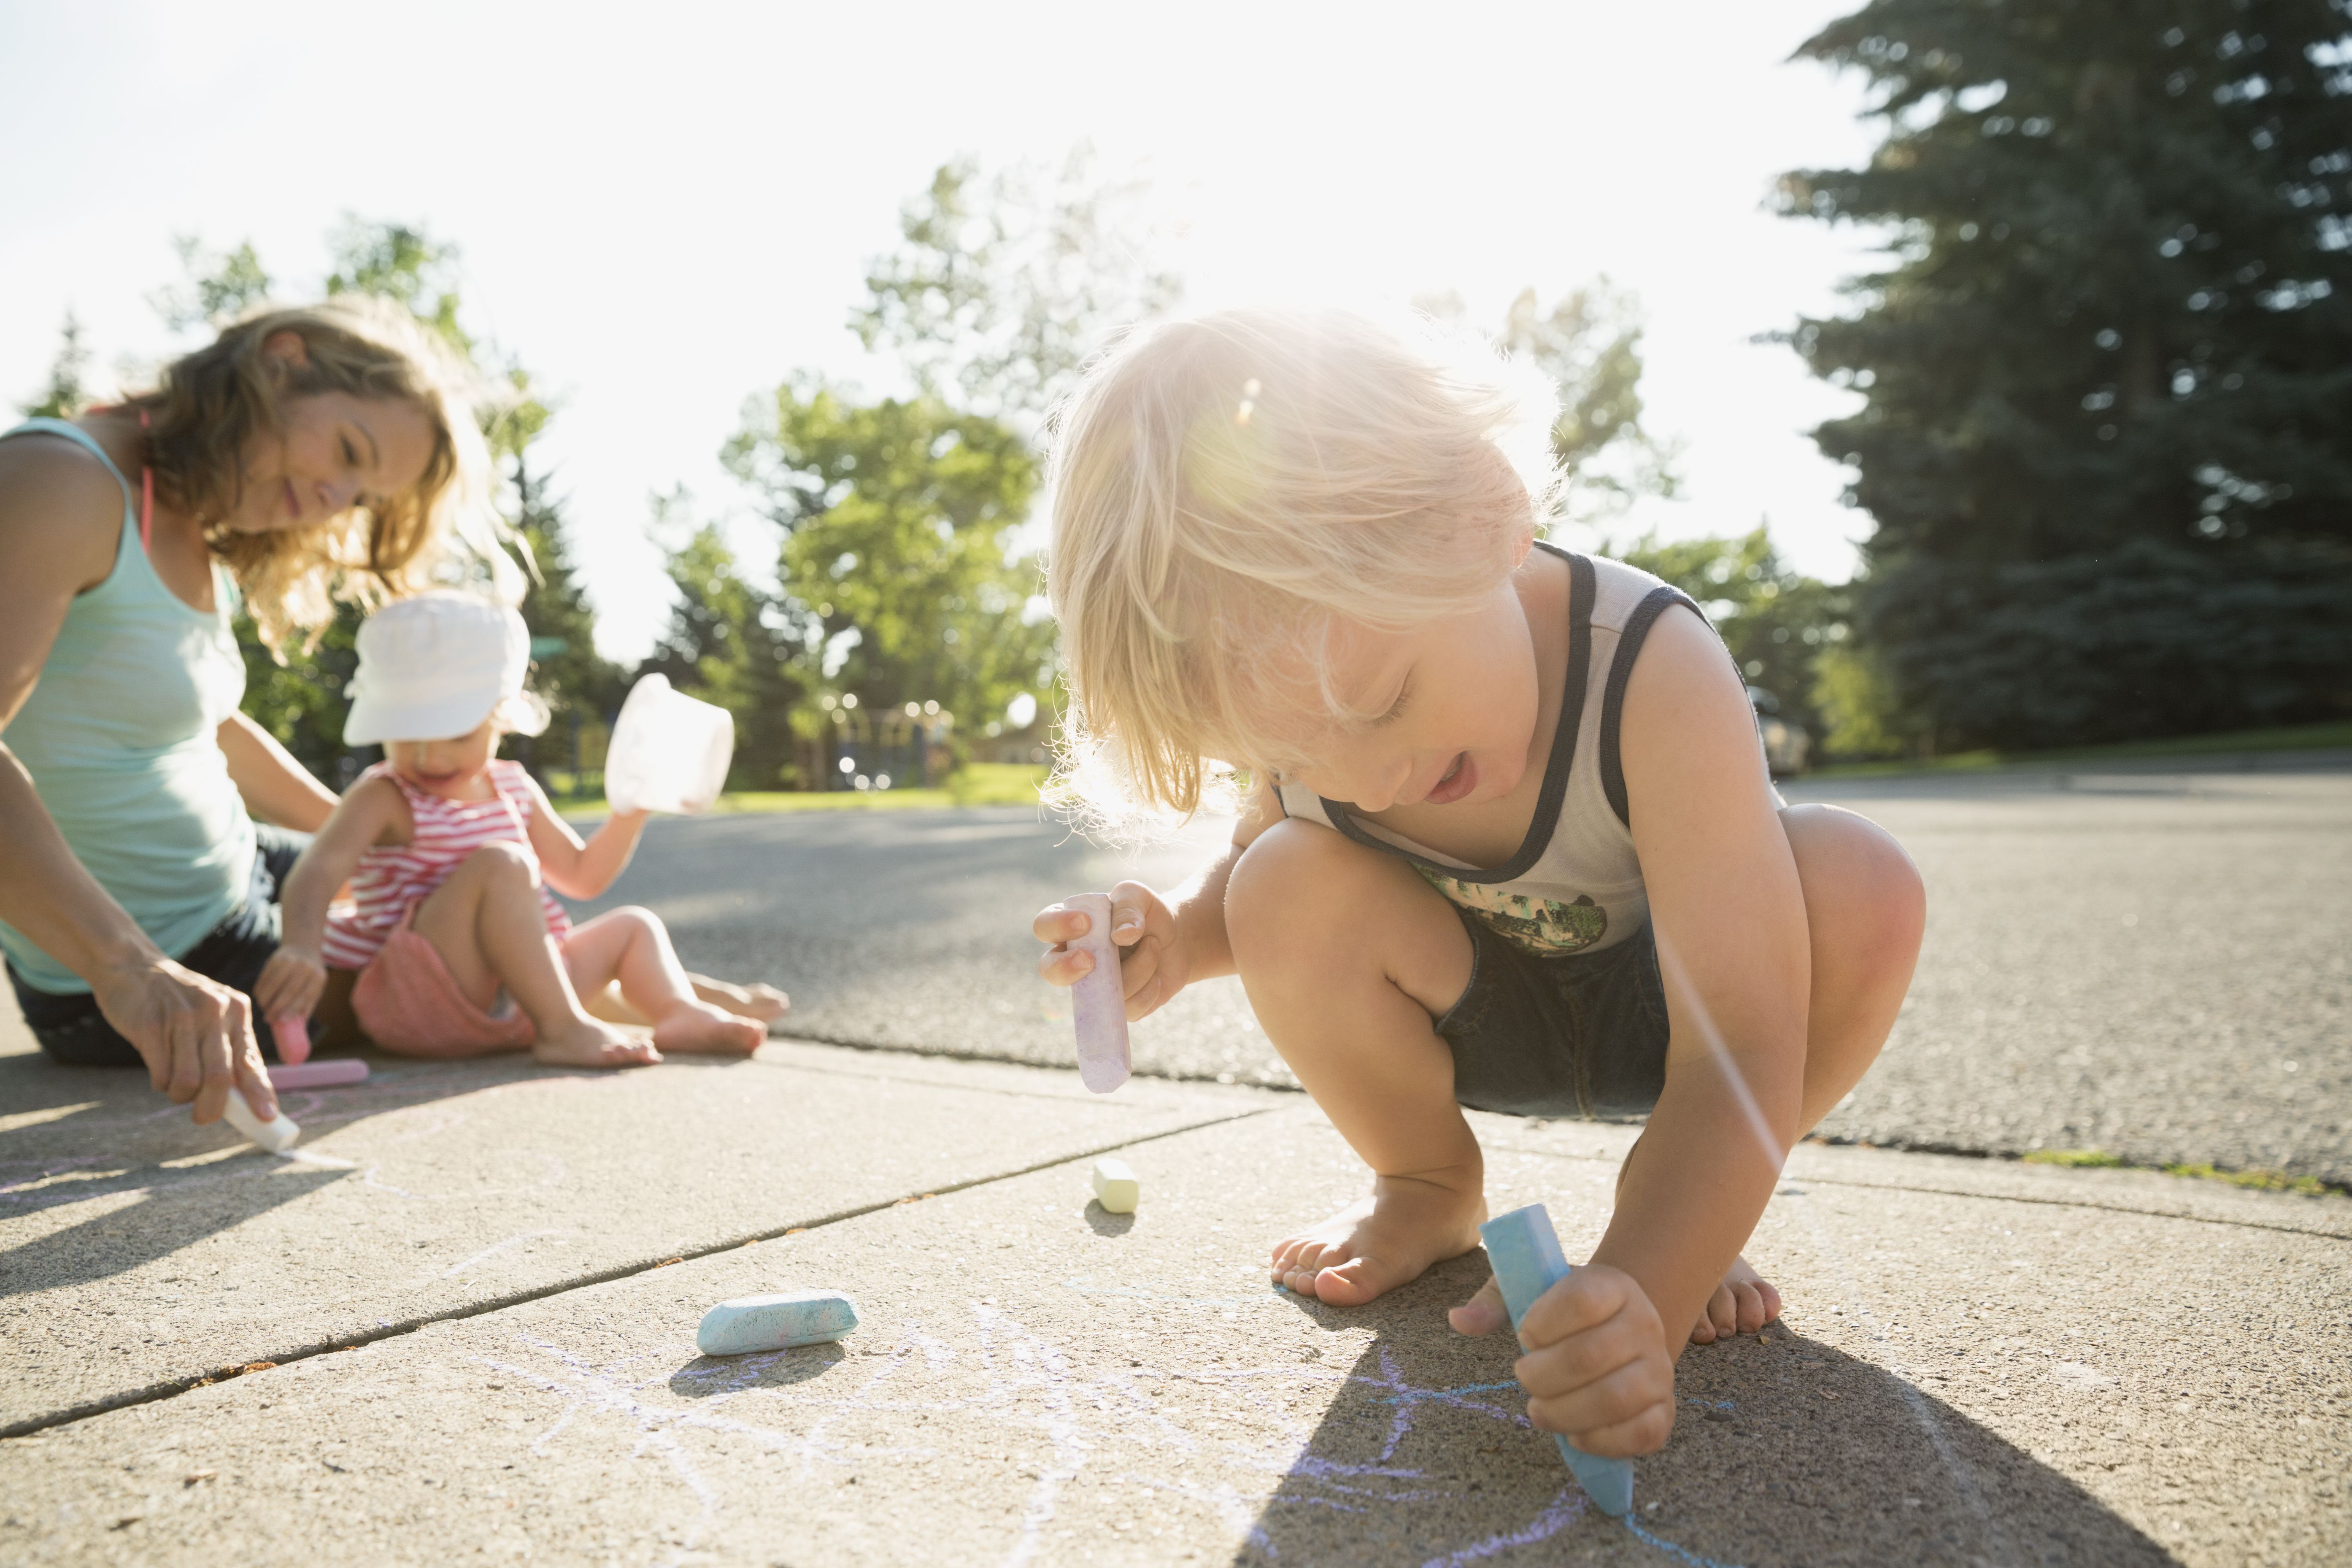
[(1859, 881), (1293, 892), (500, 862)]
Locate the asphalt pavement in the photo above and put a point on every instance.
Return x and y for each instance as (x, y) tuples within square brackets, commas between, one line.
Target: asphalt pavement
[(2148, 961)]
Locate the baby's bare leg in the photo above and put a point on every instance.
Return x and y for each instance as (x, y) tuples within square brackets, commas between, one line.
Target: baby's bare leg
[(486, 924), (631, 947), (1347, 956)]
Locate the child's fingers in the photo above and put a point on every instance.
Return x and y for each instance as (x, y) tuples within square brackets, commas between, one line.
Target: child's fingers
[(1586, 1299), (1130, 907), (1065, 965), (1058, 923), (1642, 1430), (1482, 1313), (1587, 1401), (1139, 967)]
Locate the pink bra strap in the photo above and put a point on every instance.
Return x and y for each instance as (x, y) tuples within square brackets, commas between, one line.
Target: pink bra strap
[(146, 488)]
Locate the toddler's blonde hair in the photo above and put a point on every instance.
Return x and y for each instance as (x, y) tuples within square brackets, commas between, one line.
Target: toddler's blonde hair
[(1230, 489)]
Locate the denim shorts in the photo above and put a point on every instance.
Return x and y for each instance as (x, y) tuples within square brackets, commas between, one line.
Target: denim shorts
[(74, 1033), (1580, 1033)]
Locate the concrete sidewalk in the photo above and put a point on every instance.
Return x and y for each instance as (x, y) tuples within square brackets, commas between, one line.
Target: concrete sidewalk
[(1980, 1362)]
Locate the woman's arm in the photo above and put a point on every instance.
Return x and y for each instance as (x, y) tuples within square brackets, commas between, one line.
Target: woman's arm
[(580, 870), (61, 523), (275, 788)]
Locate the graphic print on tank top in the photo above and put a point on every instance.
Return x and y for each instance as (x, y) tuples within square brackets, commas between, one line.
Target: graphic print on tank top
[(1529, 923)]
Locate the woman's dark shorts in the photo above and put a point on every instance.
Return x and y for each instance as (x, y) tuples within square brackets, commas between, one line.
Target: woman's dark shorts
[(1581, 1034), (73, 1031)]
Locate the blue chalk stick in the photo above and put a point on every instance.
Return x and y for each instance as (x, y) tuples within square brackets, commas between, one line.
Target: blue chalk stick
[(1525, 1252), (774, 1323)]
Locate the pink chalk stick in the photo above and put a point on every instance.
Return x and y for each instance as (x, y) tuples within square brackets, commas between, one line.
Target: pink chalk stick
[(1099, 1000), (319, 1075), (293, 1039)]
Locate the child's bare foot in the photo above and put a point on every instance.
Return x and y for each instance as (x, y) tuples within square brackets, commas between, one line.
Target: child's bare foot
[(1377, 1244), (764, 1003), (699, 1026), (1742, 1304), (591, 1043)]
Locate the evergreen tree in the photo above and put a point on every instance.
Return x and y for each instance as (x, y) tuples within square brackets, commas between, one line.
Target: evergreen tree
[(581, 686), (2111, 355), (67, 391)]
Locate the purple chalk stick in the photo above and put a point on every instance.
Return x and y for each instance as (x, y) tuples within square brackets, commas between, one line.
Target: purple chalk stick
[(1100, 999)]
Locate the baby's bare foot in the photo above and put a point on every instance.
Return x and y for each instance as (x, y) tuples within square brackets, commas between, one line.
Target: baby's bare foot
[(1374, 1245), (1742, 1304), (699, 1026), (763, 1002), (591, 1043)]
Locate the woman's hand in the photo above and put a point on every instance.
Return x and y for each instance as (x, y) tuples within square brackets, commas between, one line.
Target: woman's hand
[(1154, 961), (195, 1034), (291, 982)]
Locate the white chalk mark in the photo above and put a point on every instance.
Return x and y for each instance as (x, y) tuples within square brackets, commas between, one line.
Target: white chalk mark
[(324, 1162), (496, 1248), (1565, 1509)]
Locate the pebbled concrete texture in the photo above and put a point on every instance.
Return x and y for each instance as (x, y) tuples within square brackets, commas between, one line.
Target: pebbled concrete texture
[(1979, 1364), (138, 1250), (2152, 963)]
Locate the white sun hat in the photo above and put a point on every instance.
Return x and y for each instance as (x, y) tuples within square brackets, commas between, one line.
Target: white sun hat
[(432, 667)]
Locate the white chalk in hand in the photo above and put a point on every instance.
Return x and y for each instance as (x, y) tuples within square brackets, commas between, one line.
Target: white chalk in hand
[(1099, 1000), (1116, 1187), (775, 1322), (276, 1135)]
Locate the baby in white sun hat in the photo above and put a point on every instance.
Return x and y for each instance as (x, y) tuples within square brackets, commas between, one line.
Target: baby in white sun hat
[(460, 949)]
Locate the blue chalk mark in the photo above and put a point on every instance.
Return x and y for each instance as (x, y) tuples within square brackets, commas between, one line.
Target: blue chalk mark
[(1528, 1261), (1662, 1544), (1447, 1393), (1712, 1403)]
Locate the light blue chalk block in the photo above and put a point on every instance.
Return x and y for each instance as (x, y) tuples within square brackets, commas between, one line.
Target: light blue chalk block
[(1525, 1252), (775, 1322)]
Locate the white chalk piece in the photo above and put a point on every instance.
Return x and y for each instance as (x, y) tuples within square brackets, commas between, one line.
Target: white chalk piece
[(1099, 1000), (775, 1322), (276, 1135), (319, 1075), (1116, 1187)]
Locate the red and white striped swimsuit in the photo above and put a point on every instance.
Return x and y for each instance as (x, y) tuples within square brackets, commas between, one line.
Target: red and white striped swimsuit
[(392, 880)]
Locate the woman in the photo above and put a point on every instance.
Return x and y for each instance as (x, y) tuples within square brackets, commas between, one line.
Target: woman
[(309, 453)]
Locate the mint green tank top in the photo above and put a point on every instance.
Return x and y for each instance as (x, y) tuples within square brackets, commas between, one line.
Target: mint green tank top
[(119, 737)]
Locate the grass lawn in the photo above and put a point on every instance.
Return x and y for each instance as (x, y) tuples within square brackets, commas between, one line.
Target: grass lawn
[(980, 783), (2294, 738)]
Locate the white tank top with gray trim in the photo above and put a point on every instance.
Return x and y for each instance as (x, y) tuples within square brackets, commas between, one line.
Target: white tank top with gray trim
[(1575, 884)]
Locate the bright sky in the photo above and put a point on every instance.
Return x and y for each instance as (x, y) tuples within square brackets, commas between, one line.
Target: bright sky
[(665, 209)]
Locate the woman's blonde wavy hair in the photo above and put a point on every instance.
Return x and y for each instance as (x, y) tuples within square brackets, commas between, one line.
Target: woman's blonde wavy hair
[(1229, 490), (208, 406)]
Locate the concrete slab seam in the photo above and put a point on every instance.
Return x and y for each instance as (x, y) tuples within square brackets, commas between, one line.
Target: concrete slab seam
[(173, 1388), (1990, 1197), (1006, 1058), (1097, 1101)]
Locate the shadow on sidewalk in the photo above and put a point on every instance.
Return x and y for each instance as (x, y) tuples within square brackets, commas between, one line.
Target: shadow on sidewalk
[(1783, 1452), (151, 1182)]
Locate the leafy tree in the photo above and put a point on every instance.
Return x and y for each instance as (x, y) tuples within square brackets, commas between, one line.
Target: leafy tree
[(216, 288), (896, 518), (728, 644), (67, 391), (1003, 285), (1590, 344), (1776, 622), (2115, 327)]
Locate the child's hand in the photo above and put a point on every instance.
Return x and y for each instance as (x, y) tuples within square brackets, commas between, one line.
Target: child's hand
[(291, 983), (1152, 961), (1597, 1369)]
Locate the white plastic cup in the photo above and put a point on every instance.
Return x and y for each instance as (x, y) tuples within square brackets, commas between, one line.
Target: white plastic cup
[(668, 752)]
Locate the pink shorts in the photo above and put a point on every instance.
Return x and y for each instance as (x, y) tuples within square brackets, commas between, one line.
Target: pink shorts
[(409, 1004)]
